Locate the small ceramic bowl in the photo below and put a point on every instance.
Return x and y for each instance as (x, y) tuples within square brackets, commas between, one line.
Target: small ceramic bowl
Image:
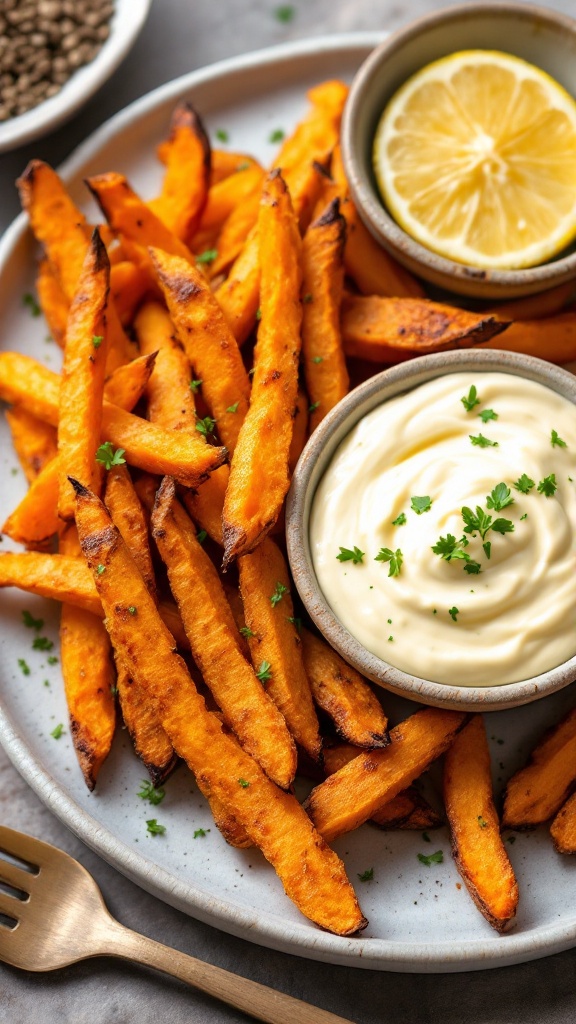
[(536, 34), (126, 22), (314, 462)]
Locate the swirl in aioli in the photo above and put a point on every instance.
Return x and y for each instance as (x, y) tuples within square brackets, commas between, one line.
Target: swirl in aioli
[(505, 610)]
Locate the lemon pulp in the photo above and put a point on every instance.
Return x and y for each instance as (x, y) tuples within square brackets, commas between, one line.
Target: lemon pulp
[(475, 157)]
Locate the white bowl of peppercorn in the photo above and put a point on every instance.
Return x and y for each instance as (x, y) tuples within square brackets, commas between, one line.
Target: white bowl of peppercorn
[(54, 55)]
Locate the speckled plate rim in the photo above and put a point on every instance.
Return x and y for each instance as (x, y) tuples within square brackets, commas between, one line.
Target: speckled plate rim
[(312, 465), (261, 928)]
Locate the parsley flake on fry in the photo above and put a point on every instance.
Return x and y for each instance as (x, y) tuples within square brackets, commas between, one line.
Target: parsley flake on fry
[(97, 340), (279, 590), (195, 386), (205, 426), (109, 457), (264, 672), (208, 256), (243, 783), (246, 632)]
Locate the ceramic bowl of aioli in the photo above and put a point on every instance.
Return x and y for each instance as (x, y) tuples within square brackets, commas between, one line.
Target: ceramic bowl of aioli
[(538, 35), (309, 472)]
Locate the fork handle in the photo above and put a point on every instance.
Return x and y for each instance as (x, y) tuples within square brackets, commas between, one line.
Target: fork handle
[(258, 1001)]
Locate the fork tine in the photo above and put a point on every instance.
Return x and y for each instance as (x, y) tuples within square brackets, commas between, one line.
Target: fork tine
[(22, 847), (11, 906), (15, 876)]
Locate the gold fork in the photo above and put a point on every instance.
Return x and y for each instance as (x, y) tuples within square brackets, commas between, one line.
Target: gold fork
[(56, 916)]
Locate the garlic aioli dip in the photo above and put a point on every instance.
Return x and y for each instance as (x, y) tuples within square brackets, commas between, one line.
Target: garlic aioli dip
[(516, 616)]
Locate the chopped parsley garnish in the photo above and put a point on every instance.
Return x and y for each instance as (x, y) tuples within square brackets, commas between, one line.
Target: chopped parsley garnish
[(132, 609), (205, 426), (511, 839), (454, 613), (482, 442), (353, 555), (317, 359), (113, 690), (97, 340), (52, 660), (24, 667), (259, 313), (208, 256), (154, 795), (524, 484), (200, 833), (548, 485), (57, 731), (482, 822), (108, 457), (277, 135), (366, 876), (29, 301), (42, 643), (525, 516), (201, 536), (420, 505), (487, 545), (154, 828), (432, 858), (480, 522), (279, 590), (284, 13), (556, 441), (400, 520), (394, 558), (30, 622), (100, 569), (390, 639), (243, 783), (297, 623), (195, 386), (452, 550), (246, 632), (426, 837), (264, 672), (499, 497), (222, 135), (488, 414), (503, 526), (313, 407), (233, 408), (470, 400)]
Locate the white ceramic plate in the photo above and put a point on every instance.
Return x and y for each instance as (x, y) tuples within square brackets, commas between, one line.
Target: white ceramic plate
[(421, 918), (125, 24)]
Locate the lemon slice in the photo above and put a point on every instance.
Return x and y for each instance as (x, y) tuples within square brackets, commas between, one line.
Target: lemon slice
[(475, 157)]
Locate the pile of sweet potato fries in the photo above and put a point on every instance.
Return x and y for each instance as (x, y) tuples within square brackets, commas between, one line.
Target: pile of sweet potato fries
[(160, 458)]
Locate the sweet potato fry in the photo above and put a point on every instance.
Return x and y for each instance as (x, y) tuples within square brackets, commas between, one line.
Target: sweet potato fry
[(299, 429), (206, 502), (552, 338), (129, 382), (408, 812), (53, 302), (215, 644), (170, 397), (129, 285), (225, 162), (477, 848), (273, 819), (316, 135), (235, 231), (63, 232), (35, 519), (343, 695), (88, 674), (33, 440), (134, 221), (533, 307), (274, 641), (371, 268), (234, 833), (259, 469), (151, 743), (563, 828), (391, 330), (238, 295), (322, 288), (536, 793), (82, 380), (208, 343), (357, 791), (185, 186), (128, 517), (229, 194)]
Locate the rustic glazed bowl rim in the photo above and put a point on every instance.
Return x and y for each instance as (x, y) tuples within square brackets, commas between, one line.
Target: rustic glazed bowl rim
[(371, 208), (311, 467)]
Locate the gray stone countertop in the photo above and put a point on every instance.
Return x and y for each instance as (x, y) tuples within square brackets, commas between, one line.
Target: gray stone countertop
[(181, 35)]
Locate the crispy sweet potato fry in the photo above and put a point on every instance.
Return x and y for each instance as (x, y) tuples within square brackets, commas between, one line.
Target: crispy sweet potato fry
[(33, 440), (129, 285), (133, 220), (185, 186), (129, 382), (61, 577), (235, 231), (228, 195), (299, 429), (238, 295), (225, 162), (63, 232), (35, 519), (259, 470), (477, 848), (533, 307), (322, 288), (208, 343), (170, 397), (563, 828), (82, 379), (343, 694), (537, 792), (273, 819), (391, 330), (316, 135), (357, 791), (274, 641), (205, 504), (215, 644), (88, 673), (371, 268), (128, 516), (151, 743), (552, 338), (53, 302)]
